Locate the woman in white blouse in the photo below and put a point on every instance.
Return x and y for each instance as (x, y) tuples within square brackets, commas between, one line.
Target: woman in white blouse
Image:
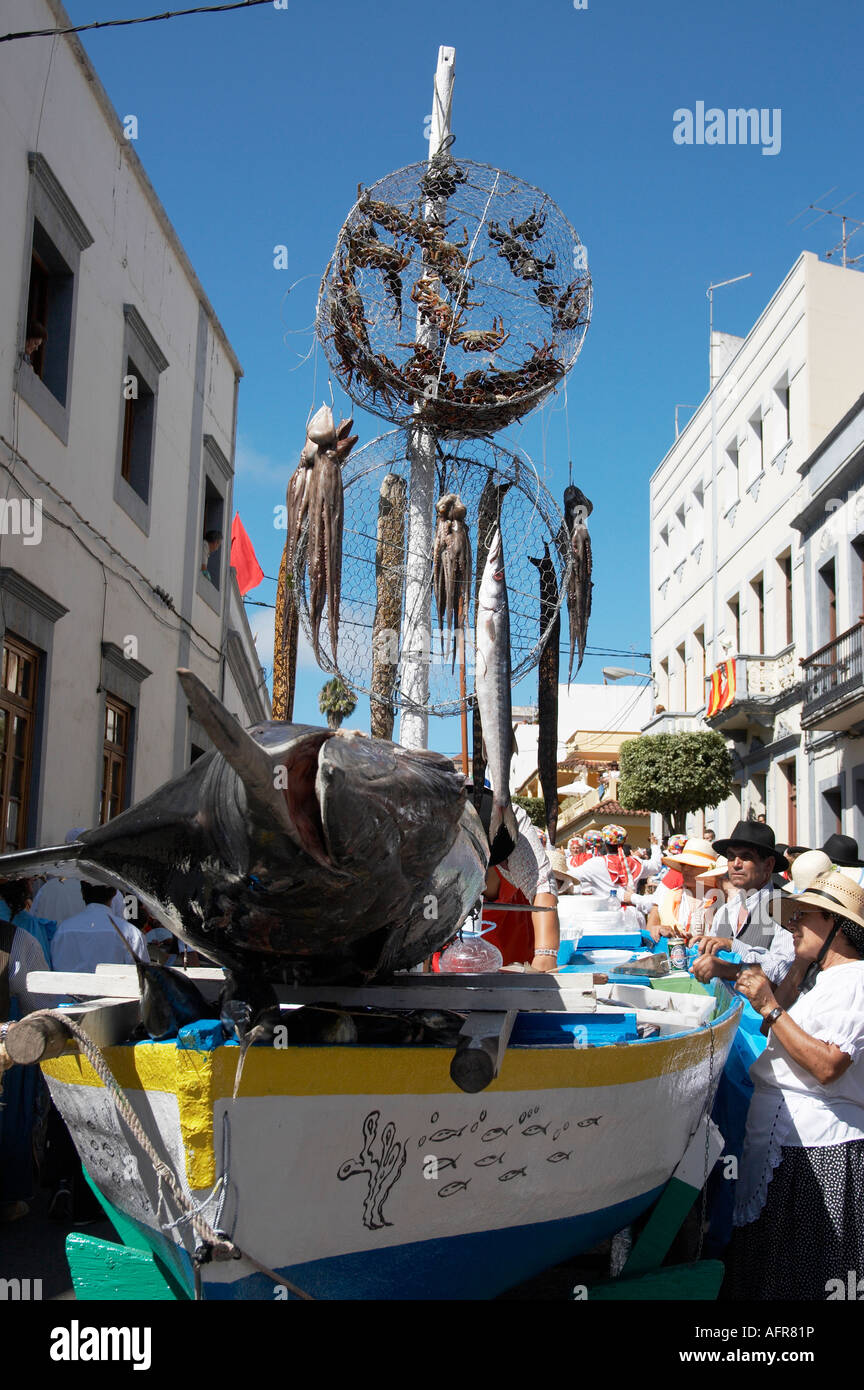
[(799, 1205)]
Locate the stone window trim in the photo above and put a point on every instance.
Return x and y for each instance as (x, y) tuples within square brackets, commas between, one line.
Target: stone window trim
[(51, 206), (140, 345)]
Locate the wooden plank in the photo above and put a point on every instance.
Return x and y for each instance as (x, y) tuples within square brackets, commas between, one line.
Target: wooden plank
[(480, 1051), (106, 982), (113, 1273), (676, 1200), (694, 1283), (458, 995)]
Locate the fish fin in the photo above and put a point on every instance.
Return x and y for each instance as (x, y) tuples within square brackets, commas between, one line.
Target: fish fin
[(239, 749), (503, 833)]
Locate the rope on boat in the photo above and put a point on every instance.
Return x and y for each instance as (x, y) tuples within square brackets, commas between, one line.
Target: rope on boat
[(216, 1246)]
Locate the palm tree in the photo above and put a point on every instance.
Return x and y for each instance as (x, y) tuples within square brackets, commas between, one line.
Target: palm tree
[(337, 702)]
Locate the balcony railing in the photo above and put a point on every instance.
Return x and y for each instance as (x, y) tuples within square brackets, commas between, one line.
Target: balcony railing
[(834, 681)]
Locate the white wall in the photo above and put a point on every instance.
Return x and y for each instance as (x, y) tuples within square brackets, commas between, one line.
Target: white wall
[(85, 561)]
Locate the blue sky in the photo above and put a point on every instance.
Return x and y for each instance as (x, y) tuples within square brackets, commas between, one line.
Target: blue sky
[(255, 128)]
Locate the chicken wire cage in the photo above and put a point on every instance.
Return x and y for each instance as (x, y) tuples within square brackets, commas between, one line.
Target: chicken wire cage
[(456, 292), (496, 485)]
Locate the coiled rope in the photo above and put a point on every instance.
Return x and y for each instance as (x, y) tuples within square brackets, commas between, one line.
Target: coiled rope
[(216, 1246)]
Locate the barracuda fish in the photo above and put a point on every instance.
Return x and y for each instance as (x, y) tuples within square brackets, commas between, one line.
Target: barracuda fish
[(292, 853), (488, 517), (577, 509), (493, 686)]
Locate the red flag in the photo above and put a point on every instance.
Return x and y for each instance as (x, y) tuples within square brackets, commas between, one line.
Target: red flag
[(243, 558)]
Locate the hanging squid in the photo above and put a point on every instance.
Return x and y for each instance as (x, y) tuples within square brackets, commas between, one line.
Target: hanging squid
[(323, 501), (547, 691), (577, 509), (488, 518), (389, 564)]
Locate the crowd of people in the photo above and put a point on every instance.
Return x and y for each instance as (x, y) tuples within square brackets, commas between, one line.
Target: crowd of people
[(63, 926), (782, 925)]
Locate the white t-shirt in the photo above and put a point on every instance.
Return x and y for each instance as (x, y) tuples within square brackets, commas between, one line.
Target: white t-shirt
[(789, 1106), (89, 939)]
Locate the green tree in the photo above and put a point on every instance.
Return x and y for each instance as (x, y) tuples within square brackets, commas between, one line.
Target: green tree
[(337, 702), (675, 774), (534, 808)]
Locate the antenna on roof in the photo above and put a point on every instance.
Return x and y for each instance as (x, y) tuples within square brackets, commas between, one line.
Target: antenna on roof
[(845, 220)]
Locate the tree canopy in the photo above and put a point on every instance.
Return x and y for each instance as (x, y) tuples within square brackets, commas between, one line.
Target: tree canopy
[(674, 774), (535, 809)]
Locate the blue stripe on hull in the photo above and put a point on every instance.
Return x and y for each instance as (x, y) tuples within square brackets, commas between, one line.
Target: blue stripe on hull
[(475, 1266)]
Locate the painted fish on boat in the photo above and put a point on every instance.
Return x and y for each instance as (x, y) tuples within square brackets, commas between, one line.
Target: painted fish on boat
[(292, 852)]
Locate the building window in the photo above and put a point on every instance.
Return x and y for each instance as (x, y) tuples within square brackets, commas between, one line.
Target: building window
[(699, 667), (858, 549), (832, 814), (664, 692), (758, 587), (20, 671), (138, 417), (828, 601), (213, 534), (143, 363), (730, 476), (789, 772), (681, 673), (48, 306), (115, 758), (785, 564), (758, 806), (697, 516), (756, 447), (783, 395), (734, 606)]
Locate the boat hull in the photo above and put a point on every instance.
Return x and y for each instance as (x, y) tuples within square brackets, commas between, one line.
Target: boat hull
[(364, 1173)]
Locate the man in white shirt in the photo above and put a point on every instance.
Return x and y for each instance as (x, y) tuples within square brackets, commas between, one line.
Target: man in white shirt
[(744, 924), (96, 936)]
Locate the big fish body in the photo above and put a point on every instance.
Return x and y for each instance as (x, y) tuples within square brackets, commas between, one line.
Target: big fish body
[(293, 851), (493, 685)]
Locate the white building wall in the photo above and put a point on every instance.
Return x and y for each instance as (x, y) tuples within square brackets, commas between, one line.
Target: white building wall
[(738, 495), (95, 560)]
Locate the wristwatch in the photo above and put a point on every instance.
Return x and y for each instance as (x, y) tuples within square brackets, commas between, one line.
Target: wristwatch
[(769, 1020)]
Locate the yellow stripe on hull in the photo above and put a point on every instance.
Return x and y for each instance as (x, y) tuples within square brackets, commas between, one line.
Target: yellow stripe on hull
[(200, 1079)]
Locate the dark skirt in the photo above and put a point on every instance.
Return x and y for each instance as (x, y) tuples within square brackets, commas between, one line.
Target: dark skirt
[(810, 1230)]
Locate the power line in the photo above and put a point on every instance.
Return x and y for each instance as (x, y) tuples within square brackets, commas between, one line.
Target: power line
[(143, 19)]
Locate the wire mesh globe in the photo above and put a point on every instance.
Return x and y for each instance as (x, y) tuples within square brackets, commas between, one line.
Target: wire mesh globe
[(455, 291), (500, 483)]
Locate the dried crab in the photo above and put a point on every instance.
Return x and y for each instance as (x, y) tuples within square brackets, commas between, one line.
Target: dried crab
[(479, 339)]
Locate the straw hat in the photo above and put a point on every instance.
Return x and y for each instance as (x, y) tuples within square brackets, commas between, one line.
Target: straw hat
[(808, 866), (718, 870), (558, 860), (830, 892), (701, 853)]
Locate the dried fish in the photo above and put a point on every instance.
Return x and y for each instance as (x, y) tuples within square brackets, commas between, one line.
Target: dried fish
[(577, 509), (488, 517), (547, 691), (325, 509), (389, 558)]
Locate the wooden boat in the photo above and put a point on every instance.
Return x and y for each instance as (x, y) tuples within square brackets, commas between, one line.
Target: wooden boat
[(364, 1172)]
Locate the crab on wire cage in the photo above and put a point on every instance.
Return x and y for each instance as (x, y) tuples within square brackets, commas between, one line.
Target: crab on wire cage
[(496, 485), (458, 296)]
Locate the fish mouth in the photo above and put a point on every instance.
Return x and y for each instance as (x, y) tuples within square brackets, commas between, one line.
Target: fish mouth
[(301, 797)]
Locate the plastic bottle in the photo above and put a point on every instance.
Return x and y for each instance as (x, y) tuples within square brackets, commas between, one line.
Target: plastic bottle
[(613, 900), (469, 954)]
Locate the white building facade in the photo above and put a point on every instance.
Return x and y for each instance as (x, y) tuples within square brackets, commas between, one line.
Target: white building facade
[(735, 553), (118, 401)]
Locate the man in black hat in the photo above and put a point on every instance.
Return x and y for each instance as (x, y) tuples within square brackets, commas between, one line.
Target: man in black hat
[(842, 850), (744, 925)]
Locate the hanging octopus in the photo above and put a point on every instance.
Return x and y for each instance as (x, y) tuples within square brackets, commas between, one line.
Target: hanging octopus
[(323, 502), (287, 617), (451, 566), (577, 509)]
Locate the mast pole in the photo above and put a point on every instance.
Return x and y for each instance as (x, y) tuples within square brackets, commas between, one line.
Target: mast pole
[(417, 624)]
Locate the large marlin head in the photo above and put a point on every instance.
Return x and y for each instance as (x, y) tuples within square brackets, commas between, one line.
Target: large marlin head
[(288, 850)]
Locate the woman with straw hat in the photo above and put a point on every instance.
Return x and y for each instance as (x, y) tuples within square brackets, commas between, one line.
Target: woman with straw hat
[(800, 1197), (680, 911)]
